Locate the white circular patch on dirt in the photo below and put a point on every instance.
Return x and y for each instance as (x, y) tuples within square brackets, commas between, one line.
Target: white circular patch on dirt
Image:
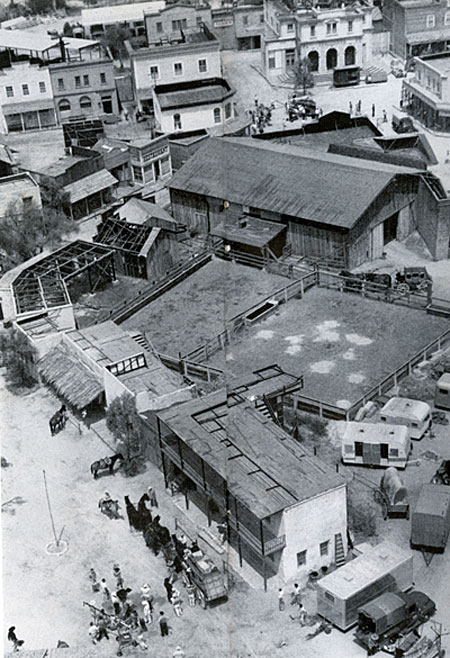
[(358, 340), (295, 344), (265, 334), (325, 332), (322, 367), (343, 404), (229, 357), (356, 378), (349, 355)]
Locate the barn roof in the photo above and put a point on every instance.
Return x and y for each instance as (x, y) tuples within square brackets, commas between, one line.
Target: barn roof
[(319, 187)]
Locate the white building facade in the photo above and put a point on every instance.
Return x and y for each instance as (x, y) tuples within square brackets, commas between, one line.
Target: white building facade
[(26, 98)]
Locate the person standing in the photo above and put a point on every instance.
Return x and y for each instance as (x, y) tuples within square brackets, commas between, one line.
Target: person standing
[(152, 497), (169, 588), (93, 632), (12, 637), (105, 593), (296, 595), (118, 576), (177, 603), (350, 107), (373, 110), (163, 624), (281, 603), (94, 581), (178, 653), (102, 624), (116, 603), (192, 595), (147, 608), (146, 592)]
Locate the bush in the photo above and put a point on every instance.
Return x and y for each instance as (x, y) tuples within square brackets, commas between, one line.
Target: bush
[(19, 357), (315, 424), (122, 420), (361, 517)]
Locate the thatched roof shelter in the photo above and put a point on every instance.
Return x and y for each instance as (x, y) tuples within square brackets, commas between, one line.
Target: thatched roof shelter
[(73, 380)]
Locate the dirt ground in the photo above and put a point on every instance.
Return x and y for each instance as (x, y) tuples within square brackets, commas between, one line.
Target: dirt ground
[(341, 343), (196, 309), (45, 602)]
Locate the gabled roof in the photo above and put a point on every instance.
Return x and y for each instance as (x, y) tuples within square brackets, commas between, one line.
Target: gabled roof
[(315, 186)]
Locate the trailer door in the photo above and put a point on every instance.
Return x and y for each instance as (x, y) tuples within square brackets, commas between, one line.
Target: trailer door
[(371, 453)]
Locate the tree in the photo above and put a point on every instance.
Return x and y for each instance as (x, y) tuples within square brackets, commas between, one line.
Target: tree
[(19, 358), (122, 420), (68, 30), (24, 235), (362, 516), (114, 40), (53, 196), (303, 76)]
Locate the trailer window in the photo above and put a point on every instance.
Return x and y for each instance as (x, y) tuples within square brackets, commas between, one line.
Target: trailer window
[(415, 424), (383, 418), (443, 391), (358, 448), (393, 452), (329, 596), (384, 450)]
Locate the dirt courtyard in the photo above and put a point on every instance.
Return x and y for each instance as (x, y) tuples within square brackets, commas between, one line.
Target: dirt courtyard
[(342, 343), (195, 310)]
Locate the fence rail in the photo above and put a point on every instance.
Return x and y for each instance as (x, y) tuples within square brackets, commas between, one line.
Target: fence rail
[(191, 368)]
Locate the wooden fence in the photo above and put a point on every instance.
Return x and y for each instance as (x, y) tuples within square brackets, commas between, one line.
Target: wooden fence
[(191, 368)]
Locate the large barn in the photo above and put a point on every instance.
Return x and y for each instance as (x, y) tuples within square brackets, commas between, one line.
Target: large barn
[(330, 204)]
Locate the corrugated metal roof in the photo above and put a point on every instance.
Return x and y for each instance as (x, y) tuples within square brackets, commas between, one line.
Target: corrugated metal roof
[(290, 180), (80, 189)]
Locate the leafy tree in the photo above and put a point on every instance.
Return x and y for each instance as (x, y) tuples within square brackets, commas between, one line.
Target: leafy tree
[(53, 196), (19, 357), (24, 235), (114, 40), (303, 76), (362, 516), (122, 420)]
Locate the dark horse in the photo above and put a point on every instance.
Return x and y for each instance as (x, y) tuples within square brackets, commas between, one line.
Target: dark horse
[(107, 463), (58, 420)]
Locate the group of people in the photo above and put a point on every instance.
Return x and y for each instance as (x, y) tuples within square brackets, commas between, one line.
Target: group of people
[(261, 116), (296, 600)]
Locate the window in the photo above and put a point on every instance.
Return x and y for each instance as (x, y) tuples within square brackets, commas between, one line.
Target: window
[(178, 68), (358, 449), (312, 31), (77, 81), (199, 21), (137, 174), (154, 72), (443, 391), (85, 102), (159, 28), (42, 88), (271, 62), (431, 20), (179, 25), (261, 18), (393, 452), (9, 92), (64, 105), (202, 67), (329, 596), (103, 78), (245, 20), (350, 26), (383, 419), (86, 80), (290, 27), (25, 90), (200, 218), (27, 201), (384, 450), (60, 84), (331, 28), (177, 121), (217, 115), (415, 424), (323, 546), (447, 18), (227, 110), (301, 558)]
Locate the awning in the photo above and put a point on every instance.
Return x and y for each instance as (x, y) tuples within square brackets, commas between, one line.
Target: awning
[(73, 380), (251, 231), (31, 106), (427, 36), (81, 189)]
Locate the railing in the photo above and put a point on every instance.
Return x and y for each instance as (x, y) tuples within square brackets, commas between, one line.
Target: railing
[(322, 409), (191, 368), (274, 545)]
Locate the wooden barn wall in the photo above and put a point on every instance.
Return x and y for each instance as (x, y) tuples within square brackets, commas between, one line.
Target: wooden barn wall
[(312, 240), (150, 432), (397, 195), (162, 255), (190, 209), (433, 218)]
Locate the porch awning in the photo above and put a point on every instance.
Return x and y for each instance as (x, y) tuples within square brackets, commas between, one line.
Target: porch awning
[(251, 231), (73, 380), (80, 189)]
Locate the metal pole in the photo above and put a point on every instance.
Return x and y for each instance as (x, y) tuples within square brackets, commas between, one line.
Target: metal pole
[(50, 510)]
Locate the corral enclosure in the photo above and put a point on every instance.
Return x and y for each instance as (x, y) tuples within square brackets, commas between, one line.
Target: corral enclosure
[(342, 343), (196, 309)]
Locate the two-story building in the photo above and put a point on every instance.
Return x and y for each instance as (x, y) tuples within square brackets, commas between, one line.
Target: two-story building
[(327, 37), (239, 26), (96, 20), (426, 96), (150, 160), (418, 27), (26, 98), (165, 24)]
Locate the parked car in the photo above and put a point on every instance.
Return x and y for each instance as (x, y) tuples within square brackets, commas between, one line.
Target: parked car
[(376, 76), (403, 124), (398, 72)]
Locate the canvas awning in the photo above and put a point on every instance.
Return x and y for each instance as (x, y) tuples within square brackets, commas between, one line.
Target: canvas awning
[(73, 380)]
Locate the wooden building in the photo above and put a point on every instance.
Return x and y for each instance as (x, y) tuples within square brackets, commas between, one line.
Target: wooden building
[(330, 204)]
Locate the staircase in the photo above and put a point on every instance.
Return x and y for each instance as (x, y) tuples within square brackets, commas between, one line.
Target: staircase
[(142, 341), (261, 406), (339, 555)]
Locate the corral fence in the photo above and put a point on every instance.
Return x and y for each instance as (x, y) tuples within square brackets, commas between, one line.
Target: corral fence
[(191, 368)]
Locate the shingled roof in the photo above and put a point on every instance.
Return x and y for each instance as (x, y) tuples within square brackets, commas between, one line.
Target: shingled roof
[(290, 180)]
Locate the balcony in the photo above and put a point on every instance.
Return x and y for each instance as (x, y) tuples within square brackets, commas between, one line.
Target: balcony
[(274, 545)]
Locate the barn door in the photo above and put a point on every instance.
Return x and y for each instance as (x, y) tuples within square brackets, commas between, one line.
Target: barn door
[(376, 242)]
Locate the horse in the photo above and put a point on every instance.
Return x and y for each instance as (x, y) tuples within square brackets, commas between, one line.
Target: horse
[(58, 420), (145, 516), (105, 463), (132, 514)]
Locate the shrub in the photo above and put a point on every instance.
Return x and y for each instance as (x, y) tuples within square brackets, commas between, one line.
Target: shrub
[(361, 517)]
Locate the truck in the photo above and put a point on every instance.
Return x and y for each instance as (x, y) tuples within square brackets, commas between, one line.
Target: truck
[(346, 76), (381, 621), (430, 520), (207, 579)]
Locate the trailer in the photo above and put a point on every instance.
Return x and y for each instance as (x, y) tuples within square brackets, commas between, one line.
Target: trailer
[(393, 495), (382, 568), (415, 414), (442, 394), (430, 520), (376, 444)]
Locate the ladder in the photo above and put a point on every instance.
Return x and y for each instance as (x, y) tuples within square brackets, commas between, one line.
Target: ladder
[(339, 555)]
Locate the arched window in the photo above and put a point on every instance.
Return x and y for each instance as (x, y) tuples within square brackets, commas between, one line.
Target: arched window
[(331, 58), (217, 115), (64, 105), (313, 57), (85, 103), (177, 121), (350, 55)]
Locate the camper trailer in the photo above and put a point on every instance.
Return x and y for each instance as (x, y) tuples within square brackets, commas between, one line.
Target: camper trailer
[(379, 569), (430, 521), (416, 415), (376, 444), (442, 395)]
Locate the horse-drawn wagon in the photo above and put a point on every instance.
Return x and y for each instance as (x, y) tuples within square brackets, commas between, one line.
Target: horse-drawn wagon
[(207, 579), (392, 495)]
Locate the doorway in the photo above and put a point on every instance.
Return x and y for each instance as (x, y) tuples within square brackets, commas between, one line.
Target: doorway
[(390, 229), (107, 104), (157, 169)]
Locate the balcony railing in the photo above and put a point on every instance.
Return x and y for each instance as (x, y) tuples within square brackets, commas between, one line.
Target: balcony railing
[(274, 545)]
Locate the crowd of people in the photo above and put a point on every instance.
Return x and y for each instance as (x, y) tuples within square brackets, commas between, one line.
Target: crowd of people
[(261, 116)]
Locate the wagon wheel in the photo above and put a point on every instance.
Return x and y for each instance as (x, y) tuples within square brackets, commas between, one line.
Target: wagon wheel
[(403, 288), (423, 285)]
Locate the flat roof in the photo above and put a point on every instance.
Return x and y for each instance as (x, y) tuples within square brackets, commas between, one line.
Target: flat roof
[(290, 180), (106, 343), (120, 13), (365, 569), (375, 433), (16, 180), (441, 64), (444, 380), (38, 42), (255, 232), (434, 500), (406, 407), (265, 468)]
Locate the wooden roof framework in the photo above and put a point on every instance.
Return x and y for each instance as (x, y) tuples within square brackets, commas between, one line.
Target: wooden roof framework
[(123, 235)]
